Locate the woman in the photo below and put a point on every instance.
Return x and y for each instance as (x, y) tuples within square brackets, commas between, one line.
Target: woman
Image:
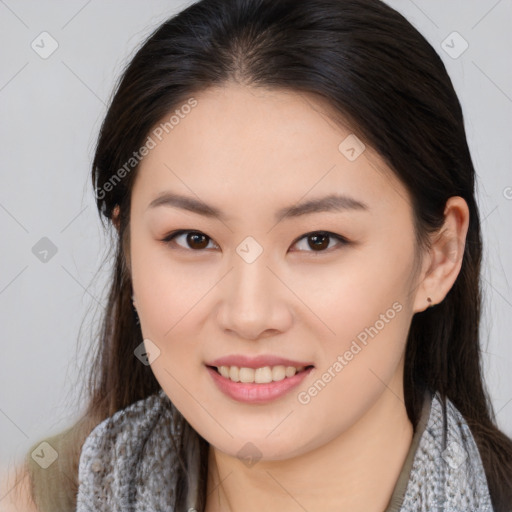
[(293, 317)]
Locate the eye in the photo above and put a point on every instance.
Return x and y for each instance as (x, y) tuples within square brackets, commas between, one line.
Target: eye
[(319, 241), (195, 239)]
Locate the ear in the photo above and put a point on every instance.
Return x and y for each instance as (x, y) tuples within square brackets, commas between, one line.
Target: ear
[(115, 217), (443, 262)]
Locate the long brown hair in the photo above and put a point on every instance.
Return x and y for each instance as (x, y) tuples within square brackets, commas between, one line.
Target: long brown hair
[(381, 75)]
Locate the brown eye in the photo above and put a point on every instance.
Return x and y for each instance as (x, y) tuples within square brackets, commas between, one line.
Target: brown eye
[(319, 241), (197, 240), (192, 240)]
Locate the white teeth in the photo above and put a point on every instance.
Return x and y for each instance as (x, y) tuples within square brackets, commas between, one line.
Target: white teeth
[(233, 373), (278, 373), (290, 371), (246, 374), (262, 375)]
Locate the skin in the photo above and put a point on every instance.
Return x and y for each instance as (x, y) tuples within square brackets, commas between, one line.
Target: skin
[(15, 491), (250, 152)]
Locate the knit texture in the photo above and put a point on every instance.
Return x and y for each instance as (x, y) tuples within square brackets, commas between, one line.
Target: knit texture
[(128, 463), (447, 472)]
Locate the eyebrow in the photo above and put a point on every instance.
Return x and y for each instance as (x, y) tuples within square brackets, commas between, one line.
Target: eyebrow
[(330, 203)]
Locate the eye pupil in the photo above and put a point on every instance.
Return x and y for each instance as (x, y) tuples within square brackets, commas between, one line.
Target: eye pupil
[(192, 238), (320, 241)]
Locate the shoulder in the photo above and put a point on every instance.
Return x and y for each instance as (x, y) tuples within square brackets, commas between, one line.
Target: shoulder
[(448, 425), (46, 480), (124, 450), (447, 466), (127, 428), (41, 484), (15, 491)]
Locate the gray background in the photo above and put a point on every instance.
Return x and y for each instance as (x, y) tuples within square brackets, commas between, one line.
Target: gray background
[(51, 110)]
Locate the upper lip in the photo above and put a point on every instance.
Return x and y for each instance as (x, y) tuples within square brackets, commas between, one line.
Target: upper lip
[(256, 362)]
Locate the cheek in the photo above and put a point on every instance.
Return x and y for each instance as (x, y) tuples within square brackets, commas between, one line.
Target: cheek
[(172, 308), (167, 290), (174, 299), (361, 360), (364, 305), (355, 292)]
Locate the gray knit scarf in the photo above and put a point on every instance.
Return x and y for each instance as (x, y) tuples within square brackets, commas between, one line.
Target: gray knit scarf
[(128, 463)]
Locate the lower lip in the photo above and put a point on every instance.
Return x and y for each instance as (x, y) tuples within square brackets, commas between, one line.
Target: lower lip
[(253, 393)]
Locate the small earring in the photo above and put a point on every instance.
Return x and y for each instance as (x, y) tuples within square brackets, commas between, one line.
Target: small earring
[(429, 300)]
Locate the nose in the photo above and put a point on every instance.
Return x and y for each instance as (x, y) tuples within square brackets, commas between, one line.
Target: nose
[(254, 302)]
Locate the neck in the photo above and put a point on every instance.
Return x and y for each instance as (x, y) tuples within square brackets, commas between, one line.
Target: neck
[(356, 471)]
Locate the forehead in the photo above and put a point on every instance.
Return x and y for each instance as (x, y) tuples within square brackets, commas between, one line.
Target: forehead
[(262, 145)]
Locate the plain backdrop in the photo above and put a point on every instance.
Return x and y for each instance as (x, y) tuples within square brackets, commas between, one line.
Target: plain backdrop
[(51, 110)]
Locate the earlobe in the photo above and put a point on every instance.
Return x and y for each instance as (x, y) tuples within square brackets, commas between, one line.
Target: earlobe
[(446, 254), (115, 217)]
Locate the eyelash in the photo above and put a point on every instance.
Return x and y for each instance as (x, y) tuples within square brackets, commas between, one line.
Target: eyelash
[(169, 239)]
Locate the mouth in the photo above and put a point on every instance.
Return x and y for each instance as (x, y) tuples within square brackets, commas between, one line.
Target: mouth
[(257, 385), (263, 375)]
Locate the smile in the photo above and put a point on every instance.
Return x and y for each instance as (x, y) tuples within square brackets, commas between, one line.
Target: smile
[(262, 375), (257, 385)]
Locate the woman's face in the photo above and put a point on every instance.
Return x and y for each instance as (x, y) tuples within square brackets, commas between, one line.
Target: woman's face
[(251, 282)]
